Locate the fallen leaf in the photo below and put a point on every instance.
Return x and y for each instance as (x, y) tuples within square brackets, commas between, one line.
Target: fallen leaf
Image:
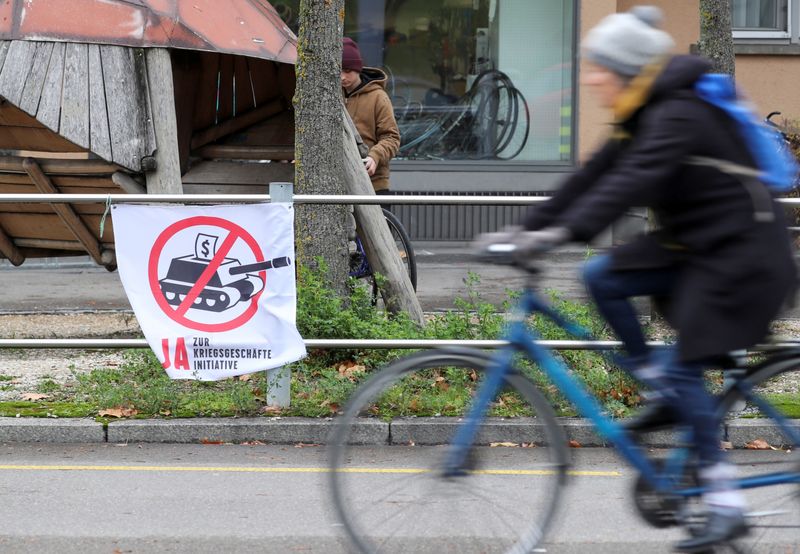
[(759, 444), (245, 377), (119, 411), (209, 441), (271, 410), (253, 443), (33, 396), (505, 444), (574, 444), (305, 444), (350, 369)]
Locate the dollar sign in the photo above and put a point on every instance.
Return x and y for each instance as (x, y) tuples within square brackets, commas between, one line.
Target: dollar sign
[(205, 248)]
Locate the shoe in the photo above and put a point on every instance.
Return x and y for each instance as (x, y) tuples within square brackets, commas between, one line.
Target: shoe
[(721, 527), (653, 417)]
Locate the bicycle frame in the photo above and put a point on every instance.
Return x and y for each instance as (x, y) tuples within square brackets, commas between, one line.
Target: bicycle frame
[(521, 339)]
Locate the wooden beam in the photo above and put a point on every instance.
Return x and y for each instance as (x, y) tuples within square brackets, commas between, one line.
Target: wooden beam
[(65, 211), (128, 183), (210, 134), (14, 164), (46, 154), (166, 178), (51, 244), (9, 249), (233, 152), (398, 294)]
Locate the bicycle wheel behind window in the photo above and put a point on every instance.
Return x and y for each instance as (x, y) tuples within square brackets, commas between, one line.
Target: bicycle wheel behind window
[(765, 408), (396, 499)]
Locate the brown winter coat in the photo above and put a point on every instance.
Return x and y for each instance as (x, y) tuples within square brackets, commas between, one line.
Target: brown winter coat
[(371, 110)]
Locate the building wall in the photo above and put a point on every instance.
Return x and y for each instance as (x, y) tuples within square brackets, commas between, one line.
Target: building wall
[(772, 83)]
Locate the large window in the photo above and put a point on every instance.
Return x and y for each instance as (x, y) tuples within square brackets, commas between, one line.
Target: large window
[(760, 18), (471, 80)]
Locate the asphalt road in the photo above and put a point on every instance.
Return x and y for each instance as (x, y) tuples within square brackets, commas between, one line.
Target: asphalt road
[(269, 499)]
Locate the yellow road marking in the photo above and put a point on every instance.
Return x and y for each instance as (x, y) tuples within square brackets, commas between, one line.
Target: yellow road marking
[(235, 469)]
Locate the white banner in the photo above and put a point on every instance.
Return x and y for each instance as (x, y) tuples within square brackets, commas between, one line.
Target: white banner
[(213, 287)]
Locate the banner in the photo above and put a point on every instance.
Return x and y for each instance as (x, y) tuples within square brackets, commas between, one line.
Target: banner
[(213, 287)]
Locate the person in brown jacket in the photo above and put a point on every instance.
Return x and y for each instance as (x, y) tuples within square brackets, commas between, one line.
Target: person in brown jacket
[(371, 110)]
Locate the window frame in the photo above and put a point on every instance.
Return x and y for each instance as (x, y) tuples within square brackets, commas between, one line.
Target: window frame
[(750, 34)]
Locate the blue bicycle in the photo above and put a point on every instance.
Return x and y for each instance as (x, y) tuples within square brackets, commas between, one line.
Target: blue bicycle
[(414, 497)]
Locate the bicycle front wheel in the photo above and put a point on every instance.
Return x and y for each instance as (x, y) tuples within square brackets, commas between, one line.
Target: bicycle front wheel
[(396, 499), (762, 413)]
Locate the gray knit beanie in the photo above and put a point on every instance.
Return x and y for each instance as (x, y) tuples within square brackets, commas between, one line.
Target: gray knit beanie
[(626, 42)]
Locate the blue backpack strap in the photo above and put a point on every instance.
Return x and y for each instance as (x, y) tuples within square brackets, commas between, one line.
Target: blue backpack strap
[(778, 167)]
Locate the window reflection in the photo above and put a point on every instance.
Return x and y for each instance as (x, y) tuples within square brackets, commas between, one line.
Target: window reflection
[(470, 79)]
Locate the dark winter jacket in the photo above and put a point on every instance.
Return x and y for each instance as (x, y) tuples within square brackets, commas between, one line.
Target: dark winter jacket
[(371, 110), (725, 233)]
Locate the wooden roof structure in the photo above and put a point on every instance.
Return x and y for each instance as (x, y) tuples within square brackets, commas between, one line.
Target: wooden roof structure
[(245, 27), (78, 115)]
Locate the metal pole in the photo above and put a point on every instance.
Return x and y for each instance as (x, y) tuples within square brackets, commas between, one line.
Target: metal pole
[(279, 379), (365, 344)]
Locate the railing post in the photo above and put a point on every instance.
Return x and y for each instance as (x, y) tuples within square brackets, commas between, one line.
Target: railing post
[(279, 379)]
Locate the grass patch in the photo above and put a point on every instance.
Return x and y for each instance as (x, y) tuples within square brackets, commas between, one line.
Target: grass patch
[(786, 403), (47, 409), (322, 382)]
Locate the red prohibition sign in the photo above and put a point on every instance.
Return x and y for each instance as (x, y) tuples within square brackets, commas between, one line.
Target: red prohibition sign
[(179, 314)]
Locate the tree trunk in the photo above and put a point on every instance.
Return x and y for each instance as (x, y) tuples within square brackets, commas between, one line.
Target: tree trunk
[(319, 155), (716, 35)]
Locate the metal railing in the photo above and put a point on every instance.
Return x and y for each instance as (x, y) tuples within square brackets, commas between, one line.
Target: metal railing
[(311, 199)]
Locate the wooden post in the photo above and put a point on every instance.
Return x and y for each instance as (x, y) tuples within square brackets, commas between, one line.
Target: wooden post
[(9, 249), (398, 294), (279, 380), (166, 178)]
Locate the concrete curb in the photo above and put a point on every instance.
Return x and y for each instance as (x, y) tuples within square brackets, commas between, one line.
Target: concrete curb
[(278, 430)]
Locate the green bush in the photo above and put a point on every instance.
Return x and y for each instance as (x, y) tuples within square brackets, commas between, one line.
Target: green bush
[(322, 382)]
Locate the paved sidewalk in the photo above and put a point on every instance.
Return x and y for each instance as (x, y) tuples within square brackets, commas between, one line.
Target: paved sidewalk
[(289, 430)]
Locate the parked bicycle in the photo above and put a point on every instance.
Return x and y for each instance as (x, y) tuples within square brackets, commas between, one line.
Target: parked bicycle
[(491, 121), (786, 142), (360, 267), (417, 498)]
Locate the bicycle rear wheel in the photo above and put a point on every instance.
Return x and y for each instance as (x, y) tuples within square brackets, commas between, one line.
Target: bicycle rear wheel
[(396, 500), (404, 249), (772, 445)]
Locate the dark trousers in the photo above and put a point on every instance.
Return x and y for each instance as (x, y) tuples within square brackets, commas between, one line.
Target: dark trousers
[(384, 192), (612, 292)]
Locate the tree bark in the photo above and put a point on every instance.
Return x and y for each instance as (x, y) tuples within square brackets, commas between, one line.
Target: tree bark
[(716, 35), (321, 230)]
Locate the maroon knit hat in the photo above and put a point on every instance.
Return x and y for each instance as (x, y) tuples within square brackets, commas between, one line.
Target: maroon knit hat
[(351, 56)]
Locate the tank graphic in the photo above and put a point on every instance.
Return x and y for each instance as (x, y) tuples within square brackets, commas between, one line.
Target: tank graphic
[(230, 284)]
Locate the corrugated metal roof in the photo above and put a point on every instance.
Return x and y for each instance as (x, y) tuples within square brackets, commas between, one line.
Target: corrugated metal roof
[(246, 27)]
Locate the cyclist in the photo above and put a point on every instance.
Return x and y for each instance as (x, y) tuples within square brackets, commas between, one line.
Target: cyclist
[(372, 113), (721, 254)]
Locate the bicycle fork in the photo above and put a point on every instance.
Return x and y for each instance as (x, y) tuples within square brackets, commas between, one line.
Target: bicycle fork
[(455, 463)]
